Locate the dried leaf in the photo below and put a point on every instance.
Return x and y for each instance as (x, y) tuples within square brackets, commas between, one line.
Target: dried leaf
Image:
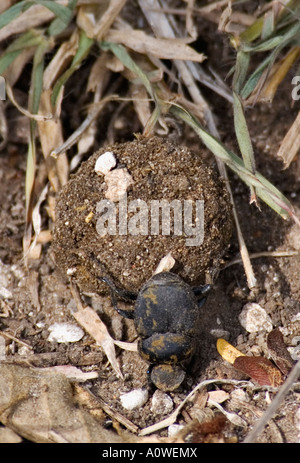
[(31, 18), (39, 405), (260, 369), (60, 60), (279, 352), (51, 136), (227, 351), (232, 417), (74, 374), (162, 48), (96, 22), (90, 321)]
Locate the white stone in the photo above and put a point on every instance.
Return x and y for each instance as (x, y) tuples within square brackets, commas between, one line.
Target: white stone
[(174, 429), (105, 163), (2, 349), (254, 318), (118, 182), (161, 403), (220, 333), (165, 264), (134, 399), (65, 332)]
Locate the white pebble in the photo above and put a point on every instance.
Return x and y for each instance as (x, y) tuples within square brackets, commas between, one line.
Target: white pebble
[(2, 349), (105, 163), (254, 318), (297, 420), (165, 264), (118, 182), (174, 429), (134, 399), (161, 403), (65, 332), (5, 293), (71, 271), (220, 333), (239, 395)]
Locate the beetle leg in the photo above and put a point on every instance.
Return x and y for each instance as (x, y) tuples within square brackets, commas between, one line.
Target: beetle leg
[(125, 313), (122, 293), (201, 293)]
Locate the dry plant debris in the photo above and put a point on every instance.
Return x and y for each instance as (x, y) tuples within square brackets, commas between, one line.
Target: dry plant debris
[(215, 75)]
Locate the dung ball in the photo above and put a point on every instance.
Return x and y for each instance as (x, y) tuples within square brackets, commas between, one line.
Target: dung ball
[(158, 199)]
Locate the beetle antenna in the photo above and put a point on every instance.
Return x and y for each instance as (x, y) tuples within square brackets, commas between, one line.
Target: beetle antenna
[(201, 293)]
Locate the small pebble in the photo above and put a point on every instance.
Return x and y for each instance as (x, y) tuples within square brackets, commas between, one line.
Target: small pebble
[(239, 395), (2, 348), (134, 399), (220, 333), (161, 403), (165, 264), (65, 332), (118, 182), (105, 163), (254, 318), (8, 436), (174, 429), (297, 420)]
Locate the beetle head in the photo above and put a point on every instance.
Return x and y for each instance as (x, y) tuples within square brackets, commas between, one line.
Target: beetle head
[(167, 377)]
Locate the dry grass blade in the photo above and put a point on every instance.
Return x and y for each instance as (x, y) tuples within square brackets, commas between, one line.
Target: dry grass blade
[(90, 321), (93, 325), (257, 255), (273, 77), (259, 426), (290, 144), (173, 417), (36, 218), (33, 105), (97, 19), (17, 23), (84, 46), (93, 113), (51, 135), (162, 48)]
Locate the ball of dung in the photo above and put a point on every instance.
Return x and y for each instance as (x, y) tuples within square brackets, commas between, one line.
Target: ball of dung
[(158, 199)]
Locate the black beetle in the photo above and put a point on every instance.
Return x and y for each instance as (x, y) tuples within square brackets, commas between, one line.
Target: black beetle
[(166, 317)]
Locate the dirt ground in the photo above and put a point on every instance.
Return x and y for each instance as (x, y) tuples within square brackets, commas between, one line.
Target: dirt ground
[(33, 299)]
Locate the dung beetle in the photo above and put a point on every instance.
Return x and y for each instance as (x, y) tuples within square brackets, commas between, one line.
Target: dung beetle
[(166, 318)]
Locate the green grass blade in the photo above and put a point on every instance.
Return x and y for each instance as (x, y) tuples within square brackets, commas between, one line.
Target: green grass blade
[(29, 39), (62, 12), (9, 15), (264, 189), (7, 59), (243, 138), (266, 45), (242, 134), (241, 69), (120, 52), (84, 47), (57, 25), (26, 40), (256, 75)]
